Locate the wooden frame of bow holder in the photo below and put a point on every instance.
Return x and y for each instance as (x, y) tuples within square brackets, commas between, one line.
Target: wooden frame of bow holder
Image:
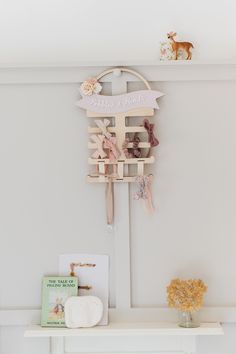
[(115, 144)]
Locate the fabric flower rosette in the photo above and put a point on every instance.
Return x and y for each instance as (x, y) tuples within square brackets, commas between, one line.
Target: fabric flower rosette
[(90, 87)]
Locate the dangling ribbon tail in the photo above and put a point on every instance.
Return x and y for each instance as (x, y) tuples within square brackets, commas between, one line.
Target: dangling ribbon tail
[(109, 201), (148, 200)]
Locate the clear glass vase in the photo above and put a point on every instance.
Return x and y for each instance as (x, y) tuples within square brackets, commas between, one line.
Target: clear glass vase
[(188, 320)]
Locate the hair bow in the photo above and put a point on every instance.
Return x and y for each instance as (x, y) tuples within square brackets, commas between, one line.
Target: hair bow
[(98, 139), (125, 149), (136, 149), (151, 137), (110, 144), (144, 191), (103, 124)]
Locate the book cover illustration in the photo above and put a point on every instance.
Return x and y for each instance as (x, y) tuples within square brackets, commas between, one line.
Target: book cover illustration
[(55, 292), (93, 276)]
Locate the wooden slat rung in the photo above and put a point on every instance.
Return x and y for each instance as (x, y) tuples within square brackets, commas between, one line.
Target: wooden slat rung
[(130, 129), (91, 114), (96, 179), (125, 161), (143, 145), (94, 130), (135, 129), (139, 112)]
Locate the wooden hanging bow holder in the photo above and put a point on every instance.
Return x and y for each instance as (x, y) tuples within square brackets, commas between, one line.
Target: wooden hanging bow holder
[(112, 113)]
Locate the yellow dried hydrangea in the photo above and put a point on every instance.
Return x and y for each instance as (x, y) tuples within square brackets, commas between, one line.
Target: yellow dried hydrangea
[(186, 295)]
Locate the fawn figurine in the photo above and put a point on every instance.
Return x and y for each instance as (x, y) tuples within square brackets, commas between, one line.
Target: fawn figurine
[(180, 45)]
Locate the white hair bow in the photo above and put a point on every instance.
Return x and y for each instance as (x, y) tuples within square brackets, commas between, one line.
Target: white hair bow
[(103, 124), (99, 153)]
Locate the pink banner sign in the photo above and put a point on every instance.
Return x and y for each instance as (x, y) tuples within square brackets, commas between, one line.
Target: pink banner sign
[(120, 103)]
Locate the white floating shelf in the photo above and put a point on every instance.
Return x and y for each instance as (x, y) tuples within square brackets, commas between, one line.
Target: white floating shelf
[(127, 329), (180, 70), (110, 63)]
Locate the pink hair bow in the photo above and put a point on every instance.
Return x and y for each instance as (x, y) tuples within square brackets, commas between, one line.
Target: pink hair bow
[(151, 137), (110, 144), (103, 124), (99, 153), (144, 191)]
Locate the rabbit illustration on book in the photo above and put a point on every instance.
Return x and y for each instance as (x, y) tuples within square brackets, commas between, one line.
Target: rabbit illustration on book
[(59, 307)]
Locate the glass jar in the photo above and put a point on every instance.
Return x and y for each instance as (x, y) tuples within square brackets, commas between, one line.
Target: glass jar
[(188, 320)]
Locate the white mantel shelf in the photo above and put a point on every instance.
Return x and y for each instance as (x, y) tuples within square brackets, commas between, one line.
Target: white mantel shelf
[(127, 329), (115, 338)]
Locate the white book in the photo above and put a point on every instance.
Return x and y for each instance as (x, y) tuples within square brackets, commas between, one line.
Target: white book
[(93, 274)]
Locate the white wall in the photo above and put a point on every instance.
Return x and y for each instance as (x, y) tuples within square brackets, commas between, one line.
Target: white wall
[(46, 205), (194, 225)]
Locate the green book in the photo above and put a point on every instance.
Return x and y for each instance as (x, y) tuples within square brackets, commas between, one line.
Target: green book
[(55, 292)]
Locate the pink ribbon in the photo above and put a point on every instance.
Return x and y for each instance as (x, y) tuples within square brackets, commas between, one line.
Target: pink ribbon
[(151, 137), (110, 144), (99, 153)]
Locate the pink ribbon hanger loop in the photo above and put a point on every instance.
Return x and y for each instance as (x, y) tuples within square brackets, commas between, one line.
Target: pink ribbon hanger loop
[(110, 144)]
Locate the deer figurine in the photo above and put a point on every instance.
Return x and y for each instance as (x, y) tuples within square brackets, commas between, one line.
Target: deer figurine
[(180, 45)]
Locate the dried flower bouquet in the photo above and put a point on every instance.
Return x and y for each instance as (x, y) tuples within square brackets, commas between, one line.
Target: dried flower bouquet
[(186, 295)]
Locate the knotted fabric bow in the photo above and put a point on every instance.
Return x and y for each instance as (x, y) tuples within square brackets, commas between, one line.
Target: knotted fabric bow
[(151, 137), (136, 149), (132, 152), (144, 191), (125, 149), (103, 124), (99, 153), (110, 144)]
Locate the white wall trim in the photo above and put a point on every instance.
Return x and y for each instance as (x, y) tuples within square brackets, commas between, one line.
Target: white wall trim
[(197, 71)]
